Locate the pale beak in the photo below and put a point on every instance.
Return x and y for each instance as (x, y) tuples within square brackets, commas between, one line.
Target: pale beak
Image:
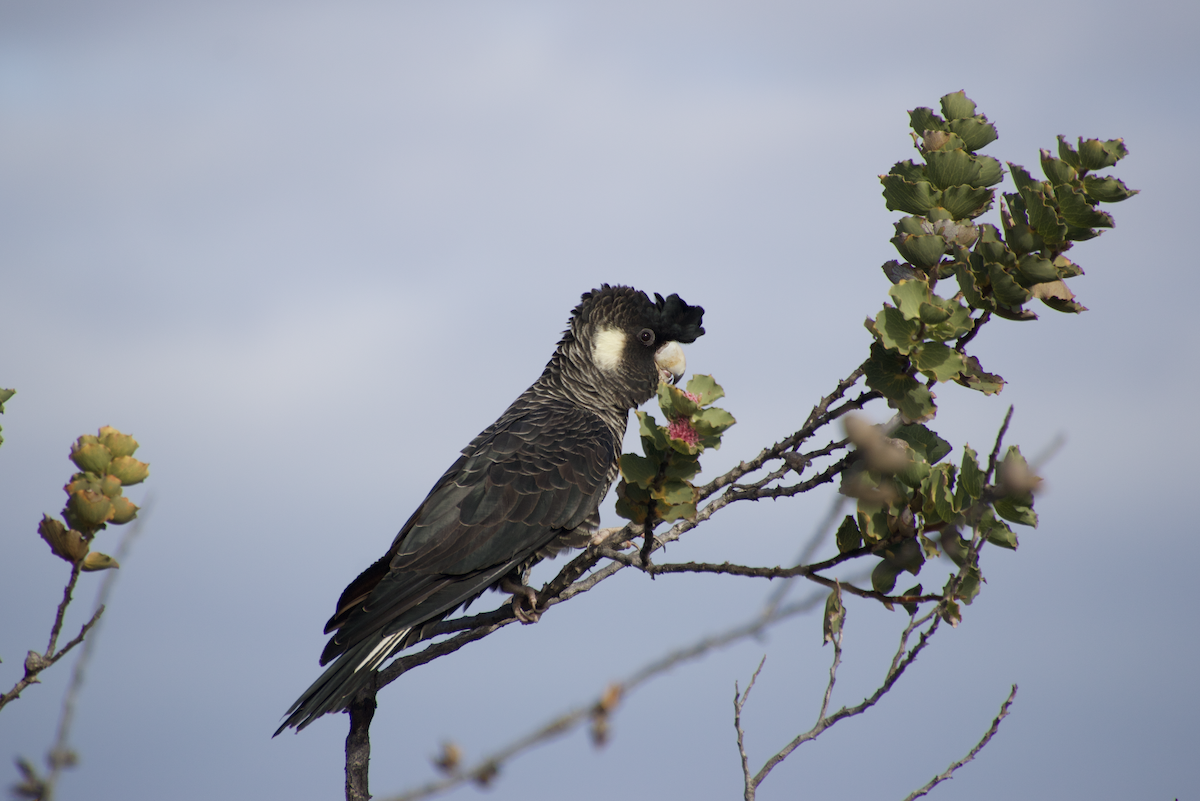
[(670, 362)]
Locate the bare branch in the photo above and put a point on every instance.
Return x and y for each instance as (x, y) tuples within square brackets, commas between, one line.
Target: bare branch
[(805, 571), (56, 629), (486, 768), (949, 772), (899, 664), (739, 701)]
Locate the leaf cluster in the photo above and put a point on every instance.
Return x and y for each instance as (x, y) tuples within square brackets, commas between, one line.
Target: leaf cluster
[(921, 334), (905, 492), (657, 485)]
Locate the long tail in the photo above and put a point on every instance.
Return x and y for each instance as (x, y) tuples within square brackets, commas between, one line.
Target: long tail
[(342, 680)]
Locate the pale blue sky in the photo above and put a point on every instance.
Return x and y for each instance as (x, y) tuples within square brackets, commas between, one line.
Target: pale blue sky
[(305, 251)]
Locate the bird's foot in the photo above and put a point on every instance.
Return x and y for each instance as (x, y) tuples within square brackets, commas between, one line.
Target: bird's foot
[(603, 534), (525, 602)]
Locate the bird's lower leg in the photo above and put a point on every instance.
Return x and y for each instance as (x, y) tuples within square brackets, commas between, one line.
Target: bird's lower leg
[(525, 602)]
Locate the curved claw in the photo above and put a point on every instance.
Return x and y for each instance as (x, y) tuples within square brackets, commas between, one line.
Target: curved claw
[(525, 602)]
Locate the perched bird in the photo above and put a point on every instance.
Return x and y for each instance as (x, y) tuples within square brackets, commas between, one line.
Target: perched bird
[(529, 486)]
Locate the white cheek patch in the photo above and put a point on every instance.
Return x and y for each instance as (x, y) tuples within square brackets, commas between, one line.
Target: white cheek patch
[(608, 347)]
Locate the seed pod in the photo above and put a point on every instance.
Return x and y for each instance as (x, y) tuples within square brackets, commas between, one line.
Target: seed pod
[(129, 470), (120, 444), (123, 510), (88, 509), (91, 457), (98, 561)]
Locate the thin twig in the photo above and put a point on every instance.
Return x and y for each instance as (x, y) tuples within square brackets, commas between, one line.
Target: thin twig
[(569, 721), (739, 702), (61, 755), (949, 772), (899, 665)]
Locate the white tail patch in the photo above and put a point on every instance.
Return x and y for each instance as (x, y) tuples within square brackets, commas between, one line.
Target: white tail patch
[(381, 652), (608, 348)]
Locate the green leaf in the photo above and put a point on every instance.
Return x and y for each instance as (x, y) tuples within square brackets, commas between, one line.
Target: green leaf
[(674, 492), (957, 105), (1068, 153), (909, 170), (1016, 510), (997, 531), (1078, 212), (638, 470), (923, 251), (682, 467), (1058, 172), (674, 403), (976, 132), (705, 388), (848, 536), (872, 522), (938, 361), (909, 295), (906, 555), (888, 373), (925, 443), (990, 171), (968, 588), (954, 545), (712, 421), (1033, 269), (917, 405), (939, 499), (1005, 289), (652, 434), (933, 141), (923, 119), (964, 202), (970, 479), (974, 377), (883, 577), (835, 615), (908, 196), (951, 613), (1044, 218), (957, 323), (947, 168), (5, 394), (970, 287), (1067, 268), (1106, 189), (684, 510), (1097, 155), (896, 332), (1057, 296)]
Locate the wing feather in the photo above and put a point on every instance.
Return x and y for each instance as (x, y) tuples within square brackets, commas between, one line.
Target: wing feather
[(534, 475)]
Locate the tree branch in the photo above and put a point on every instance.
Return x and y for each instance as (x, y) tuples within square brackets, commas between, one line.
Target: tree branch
[(739, 701), (949, 772), (486, 768)]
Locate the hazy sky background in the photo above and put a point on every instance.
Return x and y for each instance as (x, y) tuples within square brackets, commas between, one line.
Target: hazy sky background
[(305, 251)]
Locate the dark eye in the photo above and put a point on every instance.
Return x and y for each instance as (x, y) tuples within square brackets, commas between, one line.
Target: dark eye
[(646, 336)]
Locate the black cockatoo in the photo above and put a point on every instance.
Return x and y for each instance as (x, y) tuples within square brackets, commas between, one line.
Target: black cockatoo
[(529, 486)]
